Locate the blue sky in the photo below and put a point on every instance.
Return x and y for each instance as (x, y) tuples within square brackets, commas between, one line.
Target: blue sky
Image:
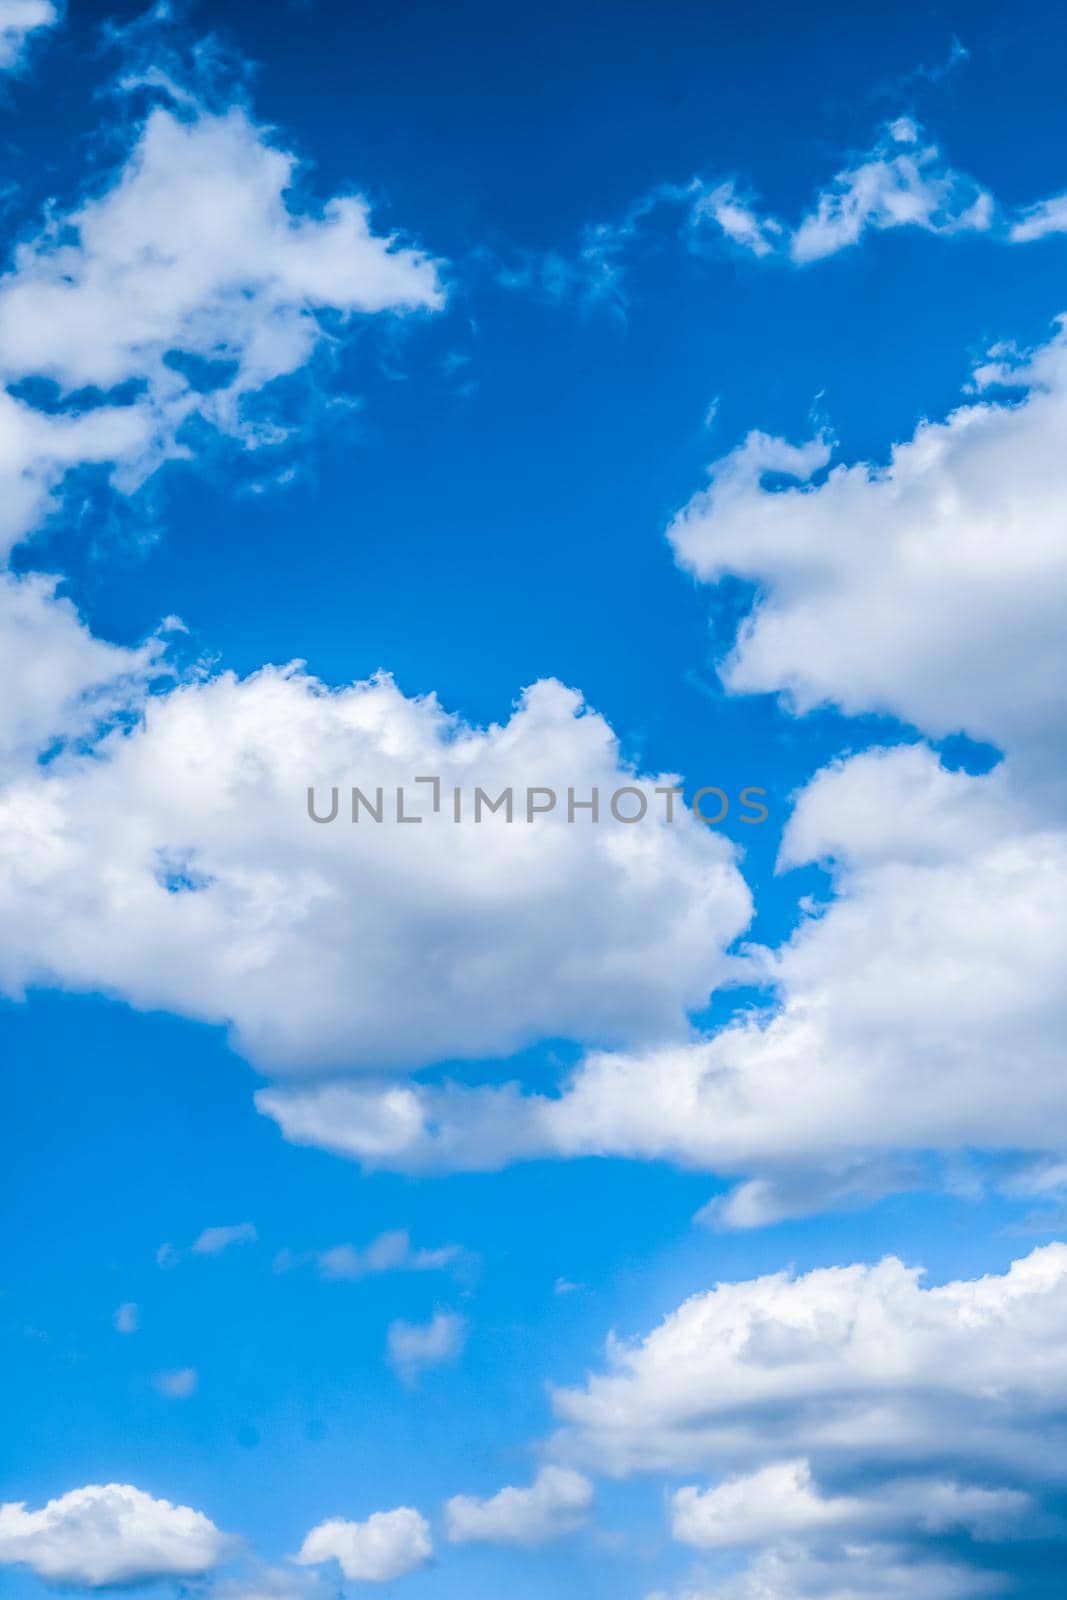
[(620, 348)]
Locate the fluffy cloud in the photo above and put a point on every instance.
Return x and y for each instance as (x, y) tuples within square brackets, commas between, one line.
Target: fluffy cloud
[(109, 1534), (195, 249), (411, 1347), (932, 588), (386, 1546), (922, 1010), (194, 282), (19, 21), (859, 1427), (176, 866), (902, 182), (557, 1502), (846, 1364)]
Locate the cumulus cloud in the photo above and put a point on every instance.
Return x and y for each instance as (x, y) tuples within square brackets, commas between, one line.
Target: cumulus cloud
[(841, 1364), (177, 866), (557, 1502), (921, 1010), (387, 1546), (931, 588), (411, 1347), (110, 1534), (193, 281), (195, 248), (20, 20), (863, 1434)]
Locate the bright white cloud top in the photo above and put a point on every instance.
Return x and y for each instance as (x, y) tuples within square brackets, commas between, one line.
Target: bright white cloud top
[(855, 1363), (932, 589), (237, 907), (156, 847), (192, 278), (107, 1534), (857, 1376), (557, 1502), (923, 1009), (388, 1545)]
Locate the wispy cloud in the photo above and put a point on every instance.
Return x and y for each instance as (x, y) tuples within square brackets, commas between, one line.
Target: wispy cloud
[(411, 1347), (211, 1242), (178, 1384)]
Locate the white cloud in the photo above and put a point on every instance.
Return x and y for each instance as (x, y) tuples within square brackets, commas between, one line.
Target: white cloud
[(109, 1534), (724, 205), (176, 866), (179, 1384), (61, 683), (782, 1501), (387, 1546), (902, 182), (127, 1318), (865, 1571), (194, 254), (923, 1010), (411, 1347), (263, 1582), (1038, 221), (858, 1427), (195, 248), (38, 448), (839, 1365), (213, 1241), (19, 21), (557, 1502), (932, 588), (389, 1252)]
